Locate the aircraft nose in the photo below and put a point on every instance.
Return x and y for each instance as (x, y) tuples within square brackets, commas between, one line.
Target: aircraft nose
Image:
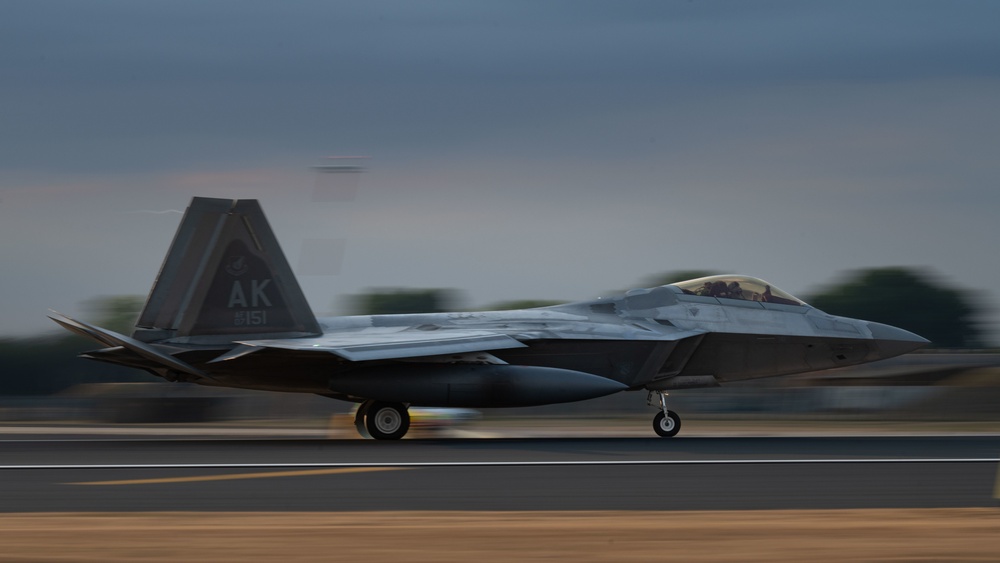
[(894, 341)]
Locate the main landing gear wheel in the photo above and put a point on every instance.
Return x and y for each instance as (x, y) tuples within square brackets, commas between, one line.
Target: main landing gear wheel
[(359, 419), (667, 425), (386, 421)]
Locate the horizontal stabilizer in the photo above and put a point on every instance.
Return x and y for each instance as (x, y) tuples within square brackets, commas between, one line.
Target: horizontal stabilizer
[(80, 329), (112, 339), (395, 343)]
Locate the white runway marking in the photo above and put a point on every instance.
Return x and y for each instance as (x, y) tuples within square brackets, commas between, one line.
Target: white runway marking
[(560, 463)]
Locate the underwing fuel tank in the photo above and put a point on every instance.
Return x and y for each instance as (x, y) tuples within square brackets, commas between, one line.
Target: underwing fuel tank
[(473, 385)]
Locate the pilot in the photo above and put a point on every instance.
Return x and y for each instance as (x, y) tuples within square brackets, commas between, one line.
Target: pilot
[(719, 289), (705, 290), (735, 291)]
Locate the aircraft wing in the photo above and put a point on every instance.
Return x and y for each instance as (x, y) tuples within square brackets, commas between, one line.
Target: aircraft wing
[(389, 343)]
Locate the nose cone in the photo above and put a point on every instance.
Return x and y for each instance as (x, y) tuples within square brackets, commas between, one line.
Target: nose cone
[(892, 341)]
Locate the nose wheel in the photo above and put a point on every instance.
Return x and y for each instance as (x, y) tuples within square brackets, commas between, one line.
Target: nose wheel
[(666, 423), (382, 421)]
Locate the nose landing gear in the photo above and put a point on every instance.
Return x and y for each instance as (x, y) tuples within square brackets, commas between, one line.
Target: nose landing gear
[(666, 423)]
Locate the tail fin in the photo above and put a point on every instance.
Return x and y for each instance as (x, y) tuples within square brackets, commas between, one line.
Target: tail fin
[(224, 275)]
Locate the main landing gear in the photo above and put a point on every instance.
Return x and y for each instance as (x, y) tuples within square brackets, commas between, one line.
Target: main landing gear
[(666, 423), (382, 421)]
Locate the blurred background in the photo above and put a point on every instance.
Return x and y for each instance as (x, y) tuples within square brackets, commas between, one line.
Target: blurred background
[(452, 155)]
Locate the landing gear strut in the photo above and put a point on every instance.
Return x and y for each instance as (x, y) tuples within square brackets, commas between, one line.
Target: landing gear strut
[(382, 421), (666, 423)]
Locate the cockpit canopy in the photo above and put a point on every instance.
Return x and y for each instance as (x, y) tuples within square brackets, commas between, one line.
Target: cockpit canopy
[(737, 287)]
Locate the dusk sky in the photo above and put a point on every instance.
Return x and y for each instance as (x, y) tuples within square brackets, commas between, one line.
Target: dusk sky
[(550, 150)]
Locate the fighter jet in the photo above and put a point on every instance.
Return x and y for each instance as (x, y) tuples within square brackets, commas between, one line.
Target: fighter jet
[(226, 310)]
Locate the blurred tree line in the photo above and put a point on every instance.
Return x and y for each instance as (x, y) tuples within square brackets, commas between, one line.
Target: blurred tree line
[(395, 301), (907, 298)]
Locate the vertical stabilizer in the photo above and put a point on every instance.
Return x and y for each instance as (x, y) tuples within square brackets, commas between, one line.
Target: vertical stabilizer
[(225, 275)]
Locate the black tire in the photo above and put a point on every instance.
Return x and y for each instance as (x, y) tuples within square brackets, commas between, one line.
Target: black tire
[(387, 421), (667, 426)]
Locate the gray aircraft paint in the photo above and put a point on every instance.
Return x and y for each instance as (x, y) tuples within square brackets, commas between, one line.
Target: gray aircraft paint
[(226, 310)]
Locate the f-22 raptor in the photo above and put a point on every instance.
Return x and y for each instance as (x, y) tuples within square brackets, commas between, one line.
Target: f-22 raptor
[(226, 310)]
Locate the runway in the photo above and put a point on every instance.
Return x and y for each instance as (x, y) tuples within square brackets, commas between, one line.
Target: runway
[(499, 474)]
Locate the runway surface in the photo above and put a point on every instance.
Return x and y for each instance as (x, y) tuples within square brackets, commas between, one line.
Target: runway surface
[(499, 474)]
